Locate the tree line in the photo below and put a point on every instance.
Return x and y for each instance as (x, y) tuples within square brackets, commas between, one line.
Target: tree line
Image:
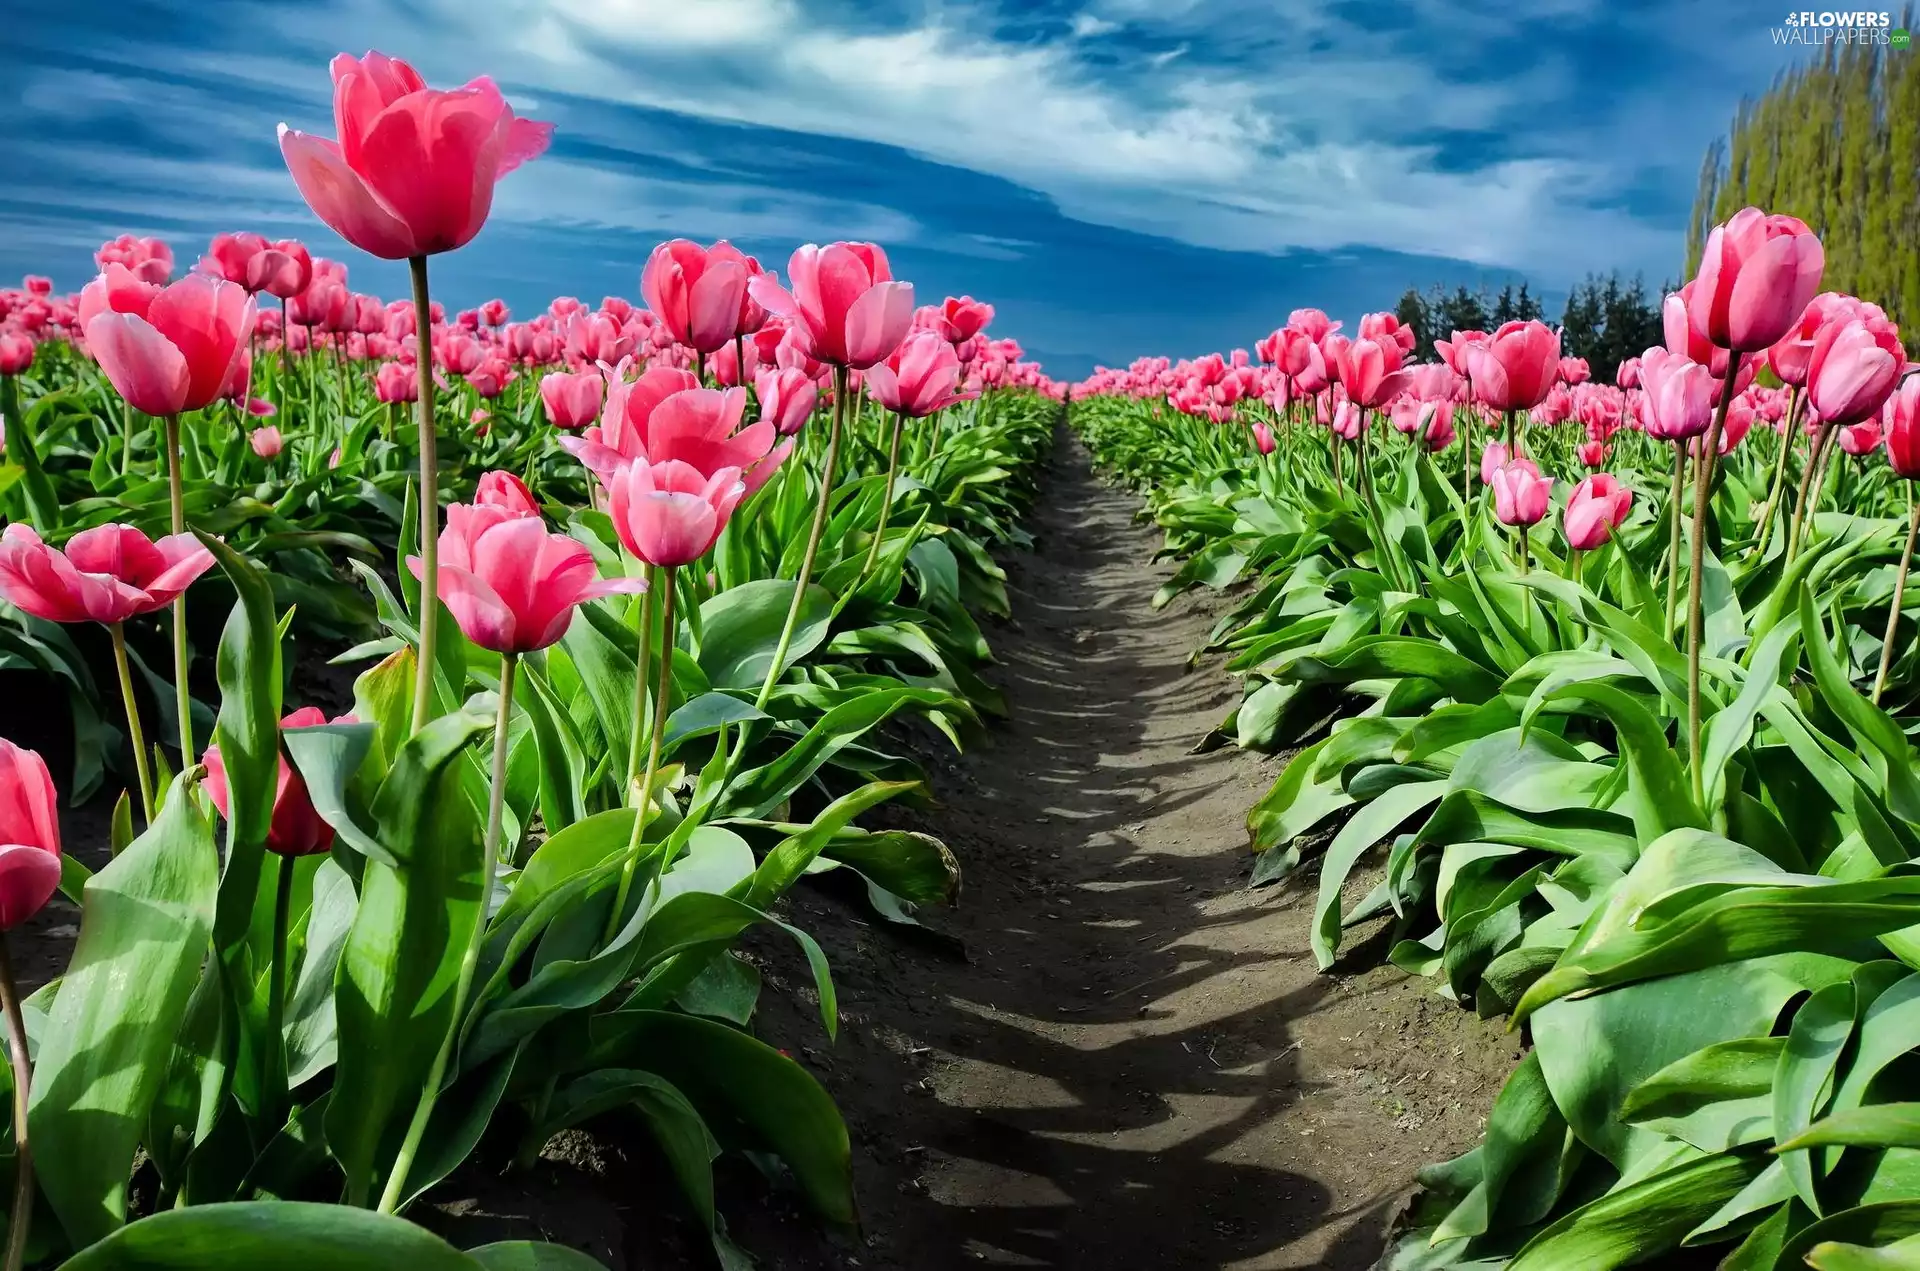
[(1606, 319)]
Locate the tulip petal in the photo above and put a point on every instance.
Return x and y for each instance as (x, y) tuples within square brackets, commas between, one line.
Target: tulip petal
[(339, 197), (144, 365), (28, 878), (877, 322)]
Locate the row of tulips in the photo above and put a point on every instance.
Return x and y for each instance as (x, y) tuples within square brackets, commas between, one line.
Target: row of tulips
[(620, 694), (1635, 741)]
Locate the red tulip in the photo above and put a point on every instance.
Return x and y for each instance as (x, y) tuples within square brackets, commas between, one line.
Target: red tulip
[(509, 583), (296, 829), (1596, 506), (503, 490), (1520, 493), (572, 399), (1677, 395), (1853, 369), (1757, 274), (919, 379), (670, 513), (1516, 368), (965, 318), (844, 304), (787, 397), (16, 351), (29, 835), (107, 574), (175, 353), (414, 169), (1593, 454), (37, 285)]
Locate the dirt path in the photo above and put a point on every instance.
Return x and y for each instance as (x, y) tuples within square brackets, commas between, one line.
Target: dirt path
[(1135, 1064)]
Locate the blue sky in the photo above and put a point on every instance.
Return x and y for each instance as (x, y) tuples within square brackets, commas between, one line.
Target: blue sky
[(1120, 177)]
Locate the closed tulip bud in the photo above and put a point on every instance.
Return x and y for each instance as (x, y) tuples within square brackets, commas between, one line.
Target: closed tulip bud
[(844, 305), (1900, 419), (266, 442), (296, 828), (29, 835), (1862, 438), (1492, 456), (1516, 367), (1678, 392), (1595, 508), (1853, 369), (106, 574), (1262, 437), (670, 513), (1453, 352), (1757, 274), (1369, 368), (1520, 493), (37, 285), (491, 377), (1574, 370), (697, 293), (1439, 433), (414, 169), (572, 399), (787, 398), (507, 492), (494, 313), (919, 379), (1628, 374), (965, 318), (396, 382), (16, 351), (1593, 454)]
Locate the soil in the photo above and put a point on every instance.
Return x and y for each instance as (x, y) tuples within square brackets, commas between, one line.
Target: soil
[(1111, 1052)]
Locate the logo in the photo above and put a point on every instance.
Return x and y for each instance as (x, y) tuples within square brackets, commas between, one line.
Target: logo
[(1899, 40), (1842, 26)]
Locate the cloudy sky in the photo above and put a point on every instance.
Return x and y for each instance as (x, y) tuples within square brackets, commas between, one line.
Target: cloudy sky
[(1119, 177)]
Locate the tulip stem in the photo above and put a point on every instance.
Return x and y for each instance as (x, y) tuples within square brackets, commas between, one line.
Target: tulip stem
[(886, 499), (1806, 490), (126, 435), (176, 499), (663, 692), (274, 1063), (133, 720), (641, 656), (21, 1222), (1899, 593), (429, 616), (813, 541), (396, 1189), (1702, 490), (1673, 538), (1779, 471)]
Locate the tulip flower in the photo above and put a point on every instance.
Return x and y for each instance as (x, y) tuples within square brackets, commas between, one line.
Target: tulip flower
[(656, 420), (494, 313), (16, 351), (1492, 459), (149, 259), (697, 292), (1520, 493), (414, 169), (670, 513), (1852, 371), (1574, 370), (1516, 367), (1597, 506), (965, 318), (1593, 454), (1439, 433), (395, 382), (507, 492), (29, 835), (572, 400), (1312, 323), (1901, 420), (1628, 374), (1262, 438), (843, 304), (296, 829), (107, 574), (1678, 395), (281, 269), (1757, 275), (166, 350), (787, 397), (1369, 369), (1453, 352), (919, 379), (594, 337), (266, 442)]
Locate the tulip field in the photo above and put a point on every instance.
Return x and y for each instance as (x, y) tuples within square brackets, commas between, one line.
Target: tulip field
[(461, 699)]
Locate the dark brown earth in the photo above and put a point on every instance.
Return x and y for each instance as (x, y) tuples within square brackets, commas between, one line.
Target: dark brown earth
[(1112, 1054)]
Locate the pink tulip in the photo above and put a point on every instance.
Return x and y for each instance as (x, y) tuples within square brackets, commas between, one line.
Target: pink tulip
[(149, 259), (621, 435), (1677, 395), (107, 574), (1596, 507), (396, 382), (16, 351), (670, 513), (1262, 437), (282, 269), (167, 351), (494, 313), (1369, 368), (1628, 374), (37, 285), (965, 318), (1312, 323), (593, 337), (1387, 328), (296, 828), (919, 378), (491, 377), (787, 397), (1853, 370), (509, 583), (572, 400), (1439, 432), (1900, 420), (1593, 454), (1757, 274), (1347, 421), (1574, 370), (1493, 456), (29, 835), (1791, 355), (1520, 493), (414, 169), (266, 442), (1516, 368), (1453, 352), (696, 292), (261, 408), (1862, 438), (503, 490), (844, 305)]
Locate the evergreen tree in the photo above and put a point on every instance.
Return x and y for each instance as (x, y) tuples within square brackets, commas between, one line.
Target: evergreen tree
[(1525, 307), (1503, 307), (1412, 312)]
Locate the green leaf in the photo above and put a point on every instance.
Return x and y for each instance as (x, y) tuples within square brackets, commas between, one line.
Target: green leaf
[(532, 1255), (1820, 1029), (1661, 798), (328, 756), (1369, 826), (256, 1234), (248, 728), (1877, 1125), (740, 629), (1831, 1255), (758, 791), (394, 987), (737, 1081), (1629, 1223), (103, 1054), (707, 713)]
